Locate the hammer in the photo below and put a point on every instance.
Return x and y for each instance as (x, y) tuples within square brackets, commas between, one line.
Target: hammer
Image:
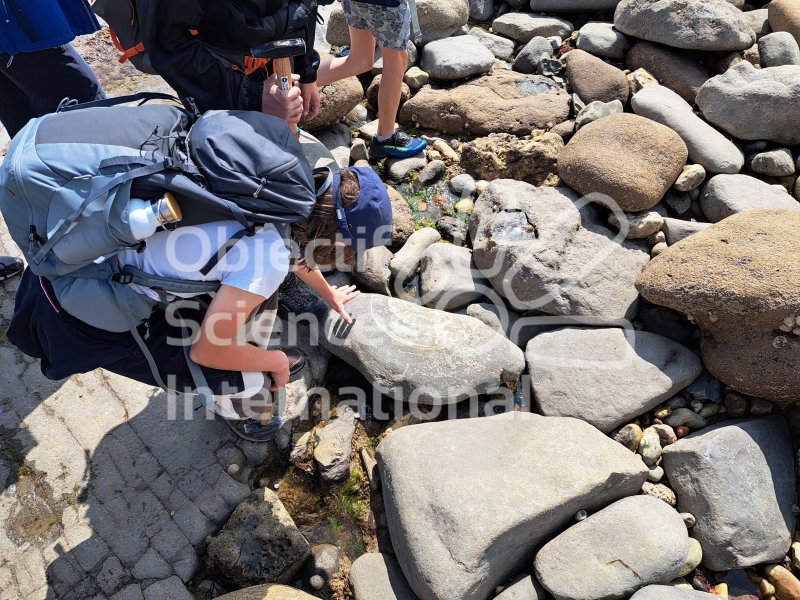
[(280, 52)]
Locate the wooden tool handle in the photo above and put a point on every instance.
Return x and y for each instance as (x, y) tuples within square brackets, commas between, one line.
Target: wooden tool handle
[(283, 69)]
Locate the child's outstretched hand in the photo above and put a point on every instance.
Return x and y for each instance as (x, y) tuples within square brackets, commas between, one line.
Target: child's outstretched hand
[(339, 296)]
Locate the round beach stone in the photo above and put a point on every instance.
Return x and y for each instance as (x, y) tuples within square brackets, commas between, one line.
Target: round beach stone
[(630, 159), (784, 15), (456, 58), (708, 25), (595, 80), (634, 542), (773, 163), (601, 39), (707, 146), (678, 70), (439, 19), (528, 58), (726, 195), (501, 47), (755, 104), (778, 49)]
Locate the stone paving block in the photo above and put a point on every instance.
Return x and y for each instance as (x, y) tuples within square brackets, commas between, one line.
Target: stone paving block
[(151, 566), (63, 568), (111, 575), (186, 568), (191, 483), (86, 546), (146, 512), (213, 506), (177, 499), (169, 589), (169, 541), (30, 571), (193, 523), (233, 491), (89, 422), (163, 486), (127, 545), (130, 592)]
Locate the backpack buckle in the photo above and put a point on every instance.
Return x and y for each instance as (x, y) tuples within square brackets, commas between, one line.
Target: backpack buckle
[(123, 278)]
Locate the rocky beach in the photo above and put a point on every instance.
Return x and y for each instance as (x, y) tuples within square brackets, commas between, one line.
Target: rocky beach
[(574, 374)]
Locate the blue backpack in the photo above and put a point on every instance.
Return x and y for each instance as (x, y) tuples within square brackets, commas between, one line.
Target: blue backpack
[(68, 177)]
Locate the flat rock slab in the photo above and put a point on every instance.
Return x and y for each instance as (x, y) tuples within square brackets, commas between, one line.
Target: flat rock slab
[(707, 146), (426, 355), (668, 592), (376, 576), (449, 546), (606, 376), (737, 478), (740, 280), (709, 25), (631, 160), (522, 27), (449, 279), (456, 58), (539, 252), (502, 102), (726, 195), (636, 541), (754, 104)]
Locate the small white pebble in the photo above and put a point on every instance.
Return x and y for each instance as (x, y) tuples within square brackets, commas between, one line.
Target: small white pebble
[(317, 582), (581, 515)]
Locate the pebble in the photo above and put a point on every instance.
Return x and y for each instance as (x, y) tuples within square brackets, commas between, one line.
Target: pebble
[(705, 388), (480, 186), (639, 225), (433, 171), (760, 407), (677, 402), (681, 431), (662, 412), (650, 446), (640, 79), (358, 150), (736, 405), (463, 185), (316, 582), (680, 202), (465, 206), (601, 39), (787, 587), (581, 515), (655, 473), (660, 491), (448, 154), (778, 49), (415, 78), (597, 110), (453, 230), (709, 410), (689, 519), (690, 178), (658, 249), (694, 558), (629, 436), (666, 434), (774, 163), (686, 418)]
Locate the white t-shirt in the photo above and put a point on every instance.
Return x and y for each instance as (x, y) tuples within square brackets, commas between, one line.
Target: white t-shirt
[(257, 263)]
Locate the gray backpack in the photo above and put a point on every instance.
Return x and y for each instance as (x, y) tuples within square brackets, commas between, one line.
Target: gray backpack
[(68, 177)]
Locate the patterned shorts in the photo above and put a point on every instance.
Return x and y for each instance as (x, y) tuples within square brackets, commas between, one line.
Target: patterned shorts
[(390, 26)]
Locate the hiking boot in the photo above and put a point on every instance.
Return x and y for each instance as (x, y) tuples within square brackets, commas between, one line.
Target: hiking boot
[(399, 145), (10, 266), (253, 430)]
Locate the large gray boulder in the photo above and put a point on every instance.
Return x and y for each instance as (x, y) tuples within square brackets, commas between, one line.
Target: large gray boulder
[(606, 376), (710, 25), (425, 355), (668, 592), (737, 478), (634, 542), (449, 279), (375, 576), (456, 58), (726, 195), (458, 537), (540, 252), (754, 104), (707, 146)]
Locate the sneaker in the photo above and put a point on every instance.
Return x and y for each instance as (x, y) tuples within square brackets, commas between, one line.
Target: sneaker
[(10, 266), (399, 145), (253, 430)]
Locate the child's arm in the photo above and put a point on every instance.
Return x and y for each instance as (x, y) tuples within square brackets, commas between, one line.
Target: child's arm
[(221, 345), (336, 297)]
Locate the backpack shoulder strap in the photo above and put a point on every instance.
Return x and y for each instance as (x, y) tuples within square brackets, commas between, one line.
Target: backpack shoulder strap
[(140, 97)]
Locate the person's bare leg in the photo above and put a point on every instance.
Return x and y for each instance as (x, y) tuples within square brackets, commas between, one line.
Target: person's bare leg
[(359, 60), (394, 67)]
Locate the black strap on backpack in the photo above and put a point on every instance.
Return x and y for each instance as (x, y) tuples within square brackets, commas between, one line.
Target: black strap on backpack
[(68, 104)]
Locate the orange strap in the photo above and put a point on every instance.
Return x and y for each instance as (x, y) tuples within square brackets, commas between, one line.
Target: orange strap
[(137, 49), (252, 64)]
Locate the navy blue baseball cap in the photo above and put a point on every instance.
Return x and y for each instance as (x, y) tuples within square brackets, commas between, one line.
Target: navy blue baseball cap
[(367, 223)]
